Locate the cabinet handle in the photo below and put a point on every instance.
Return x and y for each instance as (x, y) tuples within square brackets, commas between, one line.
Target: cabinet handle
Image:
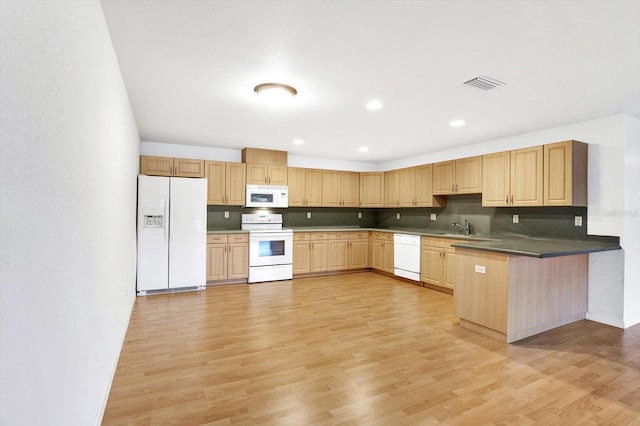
[(511, 198), (506, 200), (456, 187)]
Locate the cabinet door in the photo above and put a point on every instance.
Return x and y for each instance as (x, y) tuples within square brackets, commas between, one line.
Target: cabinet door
[(407, 187), (377, 255), (186, 167), (236, 187), (156, 166), (469, 175), (331, 191), (496, 175), (431, 268), (238, 262), (337, 256), (482, 298), (257, 174), (526, 177), (319, 256), (388, 257), (215, 172), (371, 189), (448, 271), (358, 254), (216, 261), (424, 188), (277, 175), (391, 188), (444, 175), (301, 256), (297, 186), (313, 187), (350, 189), (565, 174)]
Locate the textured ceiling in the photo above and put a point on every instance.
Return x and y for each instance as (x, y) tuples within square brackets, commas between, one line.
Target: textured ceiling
[(190, 68)]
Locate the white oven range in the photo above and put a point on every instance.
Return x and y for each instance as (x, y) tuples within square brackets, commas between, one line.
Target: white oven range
[(270, 247)]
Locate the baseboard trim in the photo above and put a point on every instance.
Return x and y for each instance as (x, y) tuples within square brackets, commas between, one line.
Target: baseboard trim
[(603, 319)]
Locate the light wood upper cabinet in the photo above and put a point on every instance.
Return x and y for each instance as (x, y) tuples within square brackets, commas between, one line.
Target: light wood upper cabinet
[(463, 176), (371, 189), (392, 188), (513, 178), (340, 189), (225, 183), (266, 174), (565, 174), (305, 187), (167, 166)]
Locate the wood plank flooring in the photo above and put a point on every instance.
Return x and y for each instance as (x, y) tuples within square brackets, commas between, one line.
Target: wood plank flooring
[(360, 349)]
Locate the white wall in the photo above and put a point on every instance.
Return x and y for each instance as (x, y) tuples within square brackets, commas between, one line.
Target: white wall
[(68, 166), (631, 240)]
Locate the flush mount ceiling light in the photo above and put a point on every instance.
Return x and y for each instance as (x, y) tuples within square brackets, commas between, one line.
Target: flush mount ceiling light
[(363, 149), (457, 123), (298, 141), (374, 105), (275, 93)]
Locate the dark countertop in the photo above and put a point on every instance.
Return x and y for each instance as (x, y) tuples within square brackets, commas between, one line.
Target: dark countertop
[(507, 244), (538, 247)]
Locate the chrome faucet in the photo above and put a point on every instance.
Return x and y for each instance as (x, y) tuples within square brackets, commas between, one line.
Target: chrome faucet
[(466, 226)]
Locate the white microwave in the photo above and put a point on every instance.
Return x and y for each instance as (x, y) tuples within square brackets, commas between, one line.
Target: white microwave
[(273, 196)]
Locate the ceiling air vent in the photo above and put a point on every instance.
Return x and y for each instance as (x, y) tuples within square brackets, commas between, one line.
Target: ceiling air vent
[(484, 83)]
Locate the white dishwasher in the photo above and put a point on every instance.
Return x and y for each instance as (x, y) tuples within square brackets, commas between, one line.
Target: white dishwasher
[(406, 255)]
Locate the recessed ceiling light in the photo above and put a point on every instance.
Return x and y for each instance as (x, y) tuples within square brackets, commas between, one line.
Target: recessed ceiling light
[(363, 149), (275, 93), (457, 123), (298, 141), (374, 105)]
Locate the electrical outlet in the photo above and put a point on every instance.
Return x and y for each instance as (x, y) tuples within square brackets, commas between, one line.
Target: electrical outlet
[(433, 216), (481, 269), (359, 215), (308, 215), (226, 215), (578, 221), (516, 218), (398, 216)]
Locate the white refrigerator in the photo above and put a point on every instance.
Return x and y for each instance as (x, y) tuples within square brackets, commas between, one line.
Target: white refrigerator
[(172, 234)]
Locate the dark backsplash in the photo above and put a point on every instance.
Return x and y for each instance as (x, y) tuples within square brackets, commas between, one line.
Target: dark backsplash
[(543, 222)]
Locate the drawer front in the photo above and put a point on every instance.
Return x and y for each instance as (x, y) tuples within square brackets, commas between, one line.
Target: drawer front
[(238, 238), (358, 235), (385, 236), (318, 236), (435, 242), (301, 236), (216, 238)]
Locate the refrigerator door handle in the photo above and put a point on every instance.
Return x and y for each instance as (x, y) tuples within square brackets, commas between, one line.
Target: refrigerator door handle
[(166, 224)]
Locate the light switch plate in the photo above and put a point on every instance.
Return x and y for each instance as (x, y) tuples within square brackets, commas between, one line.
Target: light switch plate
[(578, 221), (359, 215), (516, 218), (398, 216), (308, 215), (433, 216), (226, 215)]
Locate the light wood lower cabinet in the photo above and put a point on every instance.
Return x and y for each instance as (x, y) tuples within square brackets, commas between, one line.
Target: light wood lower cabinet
[(227, 257), (437, 261), (310, 252), (382, 251), (511, 297), (348, 250)]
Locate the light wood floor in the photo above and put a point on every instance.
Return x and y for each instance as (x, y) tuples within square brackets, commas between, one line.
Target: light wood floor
[(360, 349)]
